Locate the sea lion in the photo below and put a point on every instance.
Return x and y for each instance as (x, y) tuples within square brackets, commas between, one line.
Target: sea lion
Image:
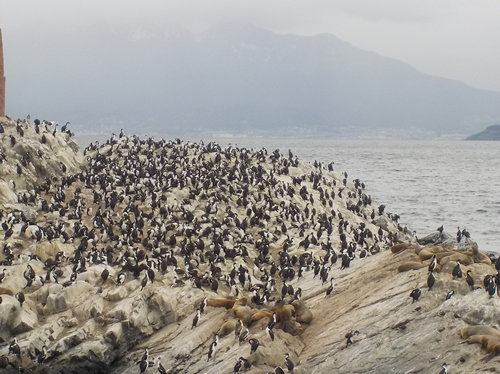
[(428, 252), (463, 258), (227, 327), (410, 265), (6, 291), (226, 303), (284, 313), (302, 313), (244, 313), (468, 331), (399, 247), (259, 314)]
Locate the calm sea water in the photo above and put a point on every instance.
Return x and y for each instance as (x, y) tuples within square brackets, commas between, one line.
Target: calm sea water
[(428, 183)]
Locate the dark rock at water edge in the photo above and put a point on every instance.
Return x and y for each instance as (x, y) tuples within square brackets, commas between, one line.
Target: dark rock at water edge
[(490, 133)]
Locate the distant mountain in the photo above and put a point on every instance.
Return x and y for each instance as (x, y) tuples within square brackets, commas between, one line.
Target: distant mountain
[(233, 78), (490, 133)]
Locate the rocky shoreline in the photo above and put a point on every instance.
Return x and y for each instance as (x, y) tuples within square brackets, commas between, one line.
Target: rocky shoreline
[(186, 222)]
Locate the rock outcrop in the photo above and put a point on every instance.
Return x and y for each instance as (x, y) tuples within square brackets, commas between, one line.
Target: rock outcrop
[(115, 255), (490, 133)]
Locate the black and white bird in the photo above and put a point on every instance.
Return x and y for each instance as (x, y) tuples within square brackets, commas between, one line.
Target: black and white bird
[(457, 271), (279, 370), (288, 362), (492, 289), (243, 335), (145, 355), (469, 279), (444, 368), (213, 347), (143, 365), (203, 305), (42, 356), (238, 328), (196, 318), (432, 265), (2, 275), (330, 289), (270, 333), (449, 295), (349, 336), (430, 281), (415, 294), (20, 298), (254, 344), (272, 321), (14, 348), (120, 278), (161, 369)]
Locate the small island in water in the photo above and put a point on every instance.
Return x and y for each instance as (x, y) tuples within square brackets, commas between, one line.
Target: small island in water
[(490, 133)]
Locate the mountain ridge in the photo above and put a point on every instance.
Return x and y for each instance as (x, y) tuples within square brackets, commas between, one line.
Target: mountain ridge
[(238, 78)]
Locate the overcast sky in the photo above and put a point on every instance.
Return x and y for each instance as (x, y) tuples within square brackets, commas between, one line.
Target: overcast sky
[(457, 39)]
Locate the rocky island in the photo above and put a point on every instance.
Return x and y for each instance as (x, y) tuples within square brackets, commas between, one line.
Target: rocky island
[(490, 133), (144, 256)]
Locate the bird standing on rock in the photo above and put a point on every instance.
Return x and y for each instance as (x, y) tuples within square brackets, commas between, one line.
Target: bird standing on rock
[(288, 363), (432, 265), (349, 337), (469, 279), (330, 289), (196, 318), (457, 271), (279, 370), (430, 281), (14, 348), (161, 369), (415, 294), (444, 368), (254, 344), (270, 333)]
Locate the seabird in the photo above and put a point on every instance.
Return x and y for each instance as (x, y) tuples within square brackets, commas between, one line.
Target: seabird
[(469, 279), (330, 289), (415, 294), (288, 363), (457, 271), (432, 265), (444, 368), (349, 336), (430, 280), (270, 333), (254, 344), (196, 318)]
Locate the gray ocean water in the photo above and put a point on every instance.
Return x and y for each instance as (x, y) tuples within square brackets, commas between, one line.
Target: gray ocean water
[(428, 183)]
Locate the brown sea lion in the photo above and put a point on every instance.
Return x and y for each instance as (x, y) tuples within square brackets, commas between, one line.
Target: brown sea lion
[(226, 303), (244, 313), (6, 291), (471, 330), (285, 313), (428, 252), (463, 258), (410, 265), (227, 327), (399, 247), (302, 313), (264, 313)]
